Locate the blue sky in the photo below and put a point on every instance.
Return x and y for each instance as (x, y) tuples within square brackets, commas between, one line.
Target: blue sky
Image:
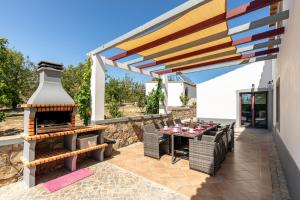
[(64, 31)]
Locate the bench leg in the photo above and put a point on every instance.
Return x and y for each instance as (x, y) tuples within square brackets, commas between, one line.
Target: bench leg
[(29, 176), (29, 150), (70, 163), (70, 142), (98, 154)]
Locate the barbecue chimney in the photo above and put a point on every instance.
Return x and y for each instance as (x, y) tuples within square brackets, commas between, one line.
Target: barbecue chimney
[(50, 90)]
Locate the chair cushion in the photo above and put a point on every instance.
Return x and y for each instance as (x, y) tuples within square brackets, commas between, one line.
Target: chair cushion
[(170, 123), (182, 152), (211, 133), (177, 121), (163, 138)]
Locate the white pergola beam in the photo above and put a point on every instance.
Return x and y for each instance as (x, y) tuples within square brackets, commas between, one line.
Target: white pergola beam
[(126, 67), (97, 89), (226, 53), (163, 106), (172, 14), (133, 61), (259, 45), (231, 63), (259, 23), (156, 68)]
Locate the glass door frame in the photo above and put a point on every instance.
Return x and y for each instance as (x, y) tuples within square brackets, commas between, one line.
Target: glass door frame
[(241, 108), (253, 107)]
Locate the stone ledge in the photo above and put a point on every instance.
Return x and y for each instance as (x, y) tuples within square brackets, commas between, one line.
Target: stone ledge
[(127, 119), (178, 108), (218, 120), (9, 140)]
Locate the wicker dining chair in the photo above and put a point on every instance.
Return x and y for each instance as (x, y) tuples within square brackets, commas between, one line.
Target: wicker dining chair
[(177, 121), (154, 142), (177, 140), (231, 137), (170, 123), (206, 155), (224, 142)]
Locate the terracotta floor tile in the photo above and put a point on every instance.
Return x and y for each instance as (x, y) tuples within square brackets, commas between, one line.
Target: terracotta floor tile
[(245, 173)]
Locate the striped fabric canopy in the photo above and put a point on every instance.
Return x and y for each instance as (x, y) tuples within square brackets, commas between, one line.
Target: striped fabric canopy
[(200, 37), (199, 14)]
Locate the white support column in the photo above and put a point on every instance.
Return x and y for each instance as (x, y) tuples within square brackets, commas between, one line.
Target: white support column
[(97, 89), (163, 105)]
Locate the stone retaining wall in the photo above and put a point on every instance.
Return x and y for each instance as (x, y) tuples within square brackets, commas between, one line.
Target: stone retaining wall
[(184, 112), (128, 130)]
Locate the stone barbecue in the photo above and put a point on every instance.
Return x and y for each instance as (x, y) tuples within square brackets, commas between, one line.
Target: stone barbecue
[(50, 108), (51, 137)]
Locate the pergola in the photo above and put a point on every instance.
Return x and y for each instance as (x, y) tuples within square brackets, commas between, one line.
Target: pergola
[(189, 38)]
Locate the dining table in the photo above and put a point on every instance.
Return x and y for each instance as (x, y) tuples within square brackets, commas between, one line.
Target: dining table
[(184, 131)]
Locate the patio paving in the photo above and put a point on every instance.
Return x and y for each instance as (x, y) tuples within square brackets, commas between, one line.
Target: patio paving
[(108, 182), (245, 174)]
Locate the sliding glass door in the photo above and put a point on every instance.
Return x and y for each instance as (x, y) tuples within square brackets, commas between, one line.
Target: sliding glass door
[(246, 109), (254, 109), (260, 110)]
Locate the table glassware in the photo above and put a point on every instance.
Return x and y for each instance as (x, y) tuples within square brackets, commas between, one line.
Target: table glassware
[(176, 129), (185, 128)]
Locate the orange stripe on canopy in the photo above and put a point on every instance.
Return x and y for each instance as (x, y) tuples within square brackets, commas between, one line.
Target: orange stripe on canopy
[(199, 14)]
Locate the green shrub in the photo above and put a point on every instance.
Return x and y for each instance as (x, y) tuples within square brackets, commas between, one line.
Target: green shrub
[(153, 99), (113, 108), (141, 102), (2, 116), (194, 104), (83, 97), (184, 99)]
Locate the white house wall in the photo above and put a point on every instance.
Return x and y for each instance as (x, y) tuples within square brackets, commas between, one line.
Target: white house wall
[(174, 92), (191, 89), (150, 86), (175, 89), (287, 68), (216, 98)]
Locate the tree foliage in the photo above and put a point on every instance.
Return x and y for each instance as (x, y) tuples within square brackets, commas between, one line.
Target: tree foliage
[(18, 77), (83, 97), (72, 78), (153, 99), (141, 97), (184, 99), (2, 116), (119, 91), (114, 91), (113, 109), (123, 90)]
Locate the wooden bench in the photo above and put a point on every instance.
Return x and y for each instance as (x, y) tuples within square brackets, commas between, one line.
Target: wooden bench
[(42, 158), (62, 133)]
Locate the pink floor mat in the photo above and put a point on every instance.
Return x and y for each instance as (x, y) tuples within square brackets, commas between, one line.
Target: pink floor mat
[(68, 179)]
